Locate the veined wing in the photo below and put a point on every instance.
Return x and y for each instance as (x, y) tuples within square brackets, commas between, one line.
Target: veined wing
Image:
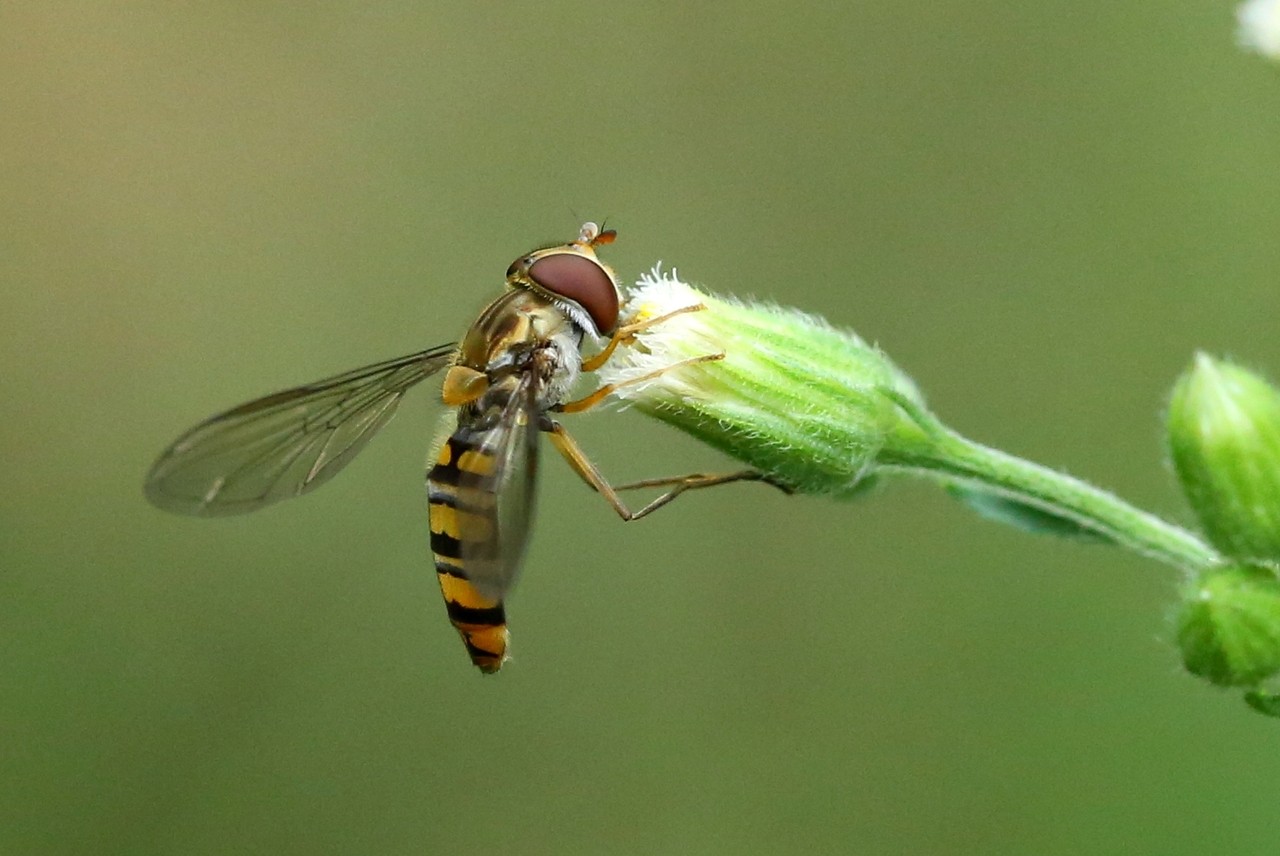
[(501, 484), (285, 444)]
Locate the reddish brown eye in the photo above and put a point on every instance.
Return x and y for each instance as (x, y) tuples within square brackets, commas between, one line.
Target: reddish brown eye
[(584, 282)]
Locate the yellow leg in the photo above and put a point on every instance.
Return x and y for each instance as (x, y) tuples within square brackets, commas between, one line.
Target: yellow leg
[(603, 392), (693, 481), (581, 464), (696, 480), (626, 332)]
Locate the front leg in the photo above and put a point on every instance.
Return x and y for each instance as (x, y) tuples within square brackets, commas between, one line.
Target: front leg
[(626, 333), (590, 401)]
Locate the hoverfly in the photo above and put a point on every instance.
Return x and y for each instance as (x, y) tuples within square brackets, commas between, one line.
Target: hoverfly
[(515, 366)]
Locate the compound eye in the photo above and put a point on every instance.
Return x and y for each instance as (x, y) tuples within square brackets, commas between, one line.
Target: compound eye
[(583, 281)]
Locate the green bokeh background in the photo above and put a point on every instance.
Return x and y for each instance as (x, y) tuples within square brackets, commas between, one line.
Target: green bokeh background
[(1040, 211)]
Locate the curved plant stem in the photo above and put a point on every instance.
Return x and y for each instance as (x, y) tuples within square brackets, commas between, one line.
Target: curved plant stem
[(1095, 510), (819, 410)]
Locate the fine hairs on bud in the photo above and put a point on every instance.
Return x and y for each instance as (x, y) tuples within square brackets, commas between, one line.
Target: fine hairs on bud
[(810, 406)]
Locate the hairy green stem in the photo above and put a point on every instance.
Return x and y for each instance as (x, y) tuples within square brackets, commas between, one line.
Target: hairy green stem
[(1060, 495)]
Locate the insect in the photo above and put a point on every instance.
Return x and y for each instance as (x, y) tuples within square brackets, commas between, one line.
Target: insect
[(515, 367)]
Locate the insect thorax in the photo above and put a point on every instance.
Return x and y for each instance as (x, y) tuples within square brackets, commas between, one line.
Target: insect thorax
[(524, 335)]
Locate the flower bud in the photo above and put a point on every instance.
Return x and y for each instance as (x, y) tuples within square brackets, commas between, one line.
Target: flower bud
[(1224, 438), (1229, 625), (810, 406)]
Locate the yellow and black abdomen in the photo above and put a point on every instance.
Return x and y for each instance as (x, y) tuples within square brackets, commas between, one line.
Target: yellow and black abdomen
[(463, 525)]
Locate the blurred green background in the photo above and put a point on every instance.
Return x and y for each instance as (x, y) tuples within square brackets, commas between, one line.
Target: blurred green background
[(1039, 210)]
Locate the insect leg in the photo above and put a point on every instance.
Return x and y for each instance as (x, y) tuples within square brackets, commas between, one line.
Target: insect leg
[(607, 389), (625, 333), (696, 480), (581, 464), (693, 481)]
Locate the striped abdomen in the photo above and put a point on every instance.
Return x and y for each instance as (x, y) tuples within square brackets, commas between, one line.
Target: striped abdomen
[(464, 525)]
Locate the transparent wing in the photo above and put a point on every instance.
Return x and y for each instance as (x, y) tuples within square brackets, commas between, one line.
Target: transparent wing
[(285, 444), (493, 544)]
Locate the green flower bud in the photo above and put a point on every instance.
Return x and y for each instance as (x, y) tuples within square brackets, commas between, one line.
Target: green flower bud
[(812, 407), (1229, 625), (1224, 437)]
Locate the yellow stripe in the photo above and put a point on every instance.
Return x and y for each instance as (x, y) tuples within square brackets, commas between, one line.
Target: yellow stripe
[(493, 640), (443, 519), (462, 592), (445, 456), (477, 463), (451, 522)]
